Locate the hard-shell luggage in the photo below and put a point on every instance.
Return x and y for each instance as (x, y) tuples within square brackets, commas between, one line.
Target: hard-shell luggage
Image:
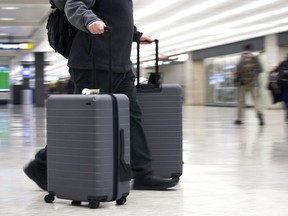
[(88, 148), (161, 105)]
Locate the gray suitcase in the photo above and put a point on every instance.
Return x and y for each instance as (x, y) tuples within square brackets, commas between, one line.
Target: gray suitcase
[(161, 106), (88, 148)]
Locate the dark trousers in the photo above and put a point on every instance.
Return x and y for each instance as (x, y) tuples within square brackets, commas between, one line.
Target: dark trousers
[(121, 83), (284, 92)]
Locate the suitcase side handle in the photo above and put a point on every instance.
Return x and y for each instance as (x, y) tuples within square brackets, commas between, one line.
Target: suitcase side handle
[(124, 167)]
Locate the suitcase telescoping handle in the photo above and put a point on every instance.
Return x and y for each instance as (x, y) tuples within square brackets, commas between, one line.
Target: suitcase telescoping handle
[(155, 84), (107, 30)]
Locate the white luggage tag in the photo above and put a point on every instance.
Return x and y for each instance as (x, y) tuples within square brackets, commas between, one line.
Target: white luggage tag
[(87, 91)]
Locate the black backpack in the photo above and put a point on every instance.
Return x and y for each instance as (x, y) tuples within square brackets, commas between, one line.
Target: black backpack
[(282, 80), (59, 30)]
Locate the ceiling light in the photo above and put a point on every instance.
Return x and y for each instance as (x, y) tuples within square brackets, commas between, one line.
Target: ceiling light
[(153, 8), (10, 8), (202, 44), (6, 19), (281, 21), (225, 15), (184, 13), (196, 38)]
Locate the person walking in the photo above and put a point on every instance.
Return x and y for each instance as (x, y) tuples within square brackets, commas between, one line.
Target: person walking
[(247, 81), (91, 17), (282, 83)]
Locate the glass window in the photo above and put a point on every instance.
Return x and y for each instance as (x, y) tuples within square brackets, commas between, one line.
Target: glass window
[(220, 75)]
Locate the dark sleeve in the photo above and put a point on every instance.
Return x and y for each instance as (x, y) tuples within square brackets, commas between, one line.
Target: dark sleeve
[(137, 35), (79, 13), (278, 68)]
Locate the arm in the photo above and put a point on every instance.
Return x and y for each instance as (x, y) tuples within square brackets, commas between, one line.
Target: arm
[(82, 17), (143, 38)]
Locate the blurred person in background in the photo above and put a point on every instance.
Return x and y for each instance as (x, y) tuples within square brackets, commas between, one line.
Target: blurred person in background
[(282, 82), (247, 81)]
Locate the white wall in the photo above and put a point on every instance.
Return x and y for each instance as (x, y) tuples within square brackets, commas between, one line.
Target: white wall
[(272, 58), (173, 73)]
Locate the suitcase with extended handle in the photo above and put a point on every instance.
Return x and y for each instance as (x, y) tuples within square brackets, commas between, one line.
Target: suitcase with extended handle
[(161, 105)]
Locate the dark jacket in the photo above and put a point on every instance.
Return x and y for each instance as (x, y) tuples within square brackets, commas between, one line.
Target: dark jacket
[(117, 14), (282, 70)]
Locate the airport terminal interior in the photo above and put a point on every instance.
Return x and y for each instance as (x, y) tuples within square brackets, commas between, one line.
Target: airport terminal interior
[(228, 169)]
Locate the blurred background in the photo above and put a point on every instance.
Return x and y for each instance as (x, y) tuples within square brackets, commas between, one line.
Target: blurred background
[(200, 43)]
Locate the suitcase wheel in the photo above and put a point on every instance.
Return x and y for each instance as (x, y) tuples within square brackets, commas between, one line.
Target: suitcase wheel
[(176, 178), (121, 201), (49, 198), (93, 204), (76, 203)]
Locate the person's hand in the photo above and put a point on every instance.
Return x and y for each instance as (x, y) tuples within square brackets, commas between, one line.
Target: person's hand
[(146, 39), (96, 27)]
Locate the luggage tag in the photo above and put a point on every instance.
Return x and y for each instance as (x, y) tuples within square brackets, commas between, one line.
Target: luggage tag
[(87, 91)]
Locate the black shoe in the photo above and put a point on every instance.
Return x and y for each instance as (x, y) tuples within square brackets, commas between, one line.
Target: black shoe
[(238, 122), (152, 182), (261, 120), (39, 176)]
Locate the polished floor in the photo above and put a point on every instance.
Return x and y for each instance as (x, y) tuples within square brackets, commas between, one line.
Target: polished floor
[(229, 170)]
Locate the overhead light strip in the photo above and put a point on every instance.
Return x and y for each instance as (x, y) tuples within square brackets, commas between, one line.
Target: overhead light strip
[(10, 8), (213, 19), (250, 32), (153, 8), (232, 39), (210, 20), (183, 14), (174, 43), (232, 25), (7, 19)]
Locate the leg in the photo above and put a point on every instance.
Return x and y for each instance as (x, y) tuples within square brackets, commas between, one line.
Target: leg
[(254, 95), (37, 169), (253, 89), (240, 103), (140, 156), (81, 79), (285, 100), (122, 83)]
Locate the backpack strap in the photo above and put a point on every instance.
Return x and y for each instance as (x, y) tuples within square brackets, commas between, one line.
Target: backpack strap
[(60, 4)]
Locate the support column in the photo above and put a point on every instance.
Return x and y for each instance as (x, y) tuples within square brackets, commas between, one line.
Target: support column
[(199, 83), (188, 69), (39, 79), (195, 86), (272, 51)]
